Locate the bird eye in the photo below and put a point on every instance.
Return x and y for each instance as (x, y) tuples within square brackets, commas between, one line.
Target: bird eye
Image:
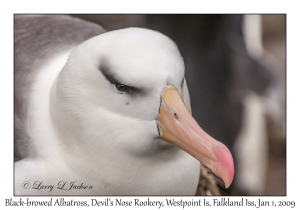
[(123, 88)]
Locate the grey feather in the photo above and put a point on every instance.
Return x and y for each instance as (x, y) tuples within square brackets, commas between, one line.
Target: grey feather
[(36, 39)]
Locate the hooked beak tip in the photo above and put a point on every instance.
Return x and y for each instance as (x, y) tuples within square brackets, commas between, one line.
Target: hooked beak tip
[(226, 171)]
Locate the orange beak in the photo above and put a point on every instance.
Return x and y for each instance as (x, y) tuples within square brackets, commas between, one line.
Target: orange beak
[(178, 127)]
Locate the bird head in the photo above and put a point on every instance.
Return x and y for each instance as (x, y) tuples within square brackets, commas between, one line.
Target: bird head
[(128, 92)]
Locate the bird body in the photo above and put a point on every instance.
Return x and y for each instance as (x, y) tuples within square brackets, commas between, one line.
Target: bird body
[(100, 117)]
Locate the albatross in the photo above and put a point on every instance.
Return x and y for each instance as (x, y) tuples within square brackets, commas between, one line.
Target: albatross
[(105, 113)]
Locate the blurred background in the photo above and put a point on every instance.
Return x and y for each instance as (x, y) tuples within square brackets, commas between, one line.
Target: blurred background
[(236, 74)]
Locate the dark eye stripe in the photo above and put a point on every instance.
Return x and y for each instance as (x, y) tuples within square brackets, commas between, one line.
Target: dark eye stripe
[(123, 88), (112, 78), (109, 76)]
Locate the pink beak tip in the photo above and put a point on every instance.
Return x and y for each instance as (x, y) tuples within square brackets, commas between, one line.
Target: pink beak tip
[(224, 156)]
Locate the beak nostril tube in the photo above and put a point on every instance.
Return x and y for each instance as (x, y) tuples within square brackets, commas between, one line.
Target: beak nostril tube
[(175, 115)]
